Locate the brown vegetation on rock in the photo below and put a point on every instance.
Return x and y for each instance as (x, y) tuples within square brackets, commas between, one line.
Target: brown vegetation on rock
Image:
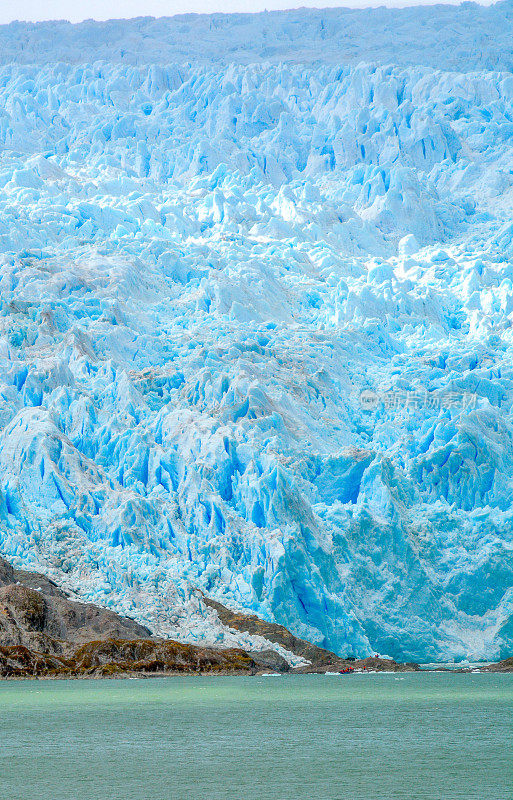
[(249, 623), (117, 657)]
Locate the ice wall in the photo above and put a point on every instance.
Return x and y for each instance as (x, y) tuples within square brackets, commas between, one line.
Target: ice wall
[(255, 340)]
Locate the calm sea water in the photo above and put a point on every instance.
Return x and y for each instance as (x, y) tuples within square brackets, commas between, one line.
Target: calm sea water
[(368, 737)]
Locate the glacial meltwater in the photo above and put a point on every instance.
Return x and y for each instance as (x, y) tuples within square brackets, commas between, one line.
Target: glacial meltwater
[(427, 736)]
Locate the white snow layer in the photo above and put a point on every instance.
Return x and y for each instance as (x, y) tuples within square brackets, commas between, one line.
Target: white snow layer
[(203, 267)]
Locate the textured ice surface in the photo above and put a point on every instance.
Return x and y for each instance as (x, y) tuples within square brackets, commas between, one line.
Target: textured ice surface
[(203, 266), (465, 37)]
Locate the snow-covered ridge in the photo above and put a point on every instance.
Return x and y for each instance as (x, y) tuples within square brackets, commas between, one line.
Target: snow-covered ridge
[(202, 269), (464, 37)]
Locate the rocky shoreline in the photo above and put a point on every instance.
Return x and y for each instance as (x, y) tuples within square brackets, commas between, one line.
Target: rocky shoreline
[(118, 657), (45, 634), (112, 658), (506, 665)]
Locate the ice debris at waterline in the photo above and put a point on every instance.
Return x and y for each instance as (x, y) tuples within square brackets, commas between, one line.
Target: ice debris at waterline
[(256, 342)]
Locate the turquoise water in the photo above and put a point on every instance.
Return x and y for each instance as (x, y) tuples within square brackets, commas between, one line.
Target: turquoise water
[(368, 737)]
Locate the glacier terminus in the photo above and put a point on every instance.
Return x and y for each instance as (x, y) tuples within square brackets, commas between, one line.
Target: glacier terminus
[(256, 309)]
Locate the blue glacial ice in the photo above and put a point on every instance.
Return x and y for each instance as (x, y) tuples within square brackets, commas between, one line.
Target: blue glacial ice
[(256, 325)]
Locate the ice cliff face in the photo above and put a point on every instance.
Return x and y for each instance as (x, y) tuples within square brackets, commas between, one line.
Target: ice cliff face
[(256, 340)]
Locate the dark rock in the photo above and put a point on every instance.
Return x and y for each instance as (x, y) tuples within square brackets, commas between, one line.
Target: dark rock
[(270, 660), (18, 661), (44, 633), (150, 655), (35, 613), (6, 573), (321, 660)]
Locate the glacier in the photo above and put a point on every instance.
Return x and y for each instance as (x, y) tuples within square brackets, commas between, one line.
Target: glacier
[(256, 312)]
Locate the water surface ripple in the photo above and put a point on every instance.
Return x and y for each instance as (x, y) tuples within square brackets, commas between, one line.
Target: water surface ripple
[(415, 736)]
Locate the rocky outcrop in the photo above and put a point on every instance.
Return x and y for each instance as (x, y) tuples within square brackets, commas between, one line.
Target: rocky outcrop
[(249, 623), (36, 614), (501, 666), (45, 633), (119, 657), (370, 664), (270, 661)]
